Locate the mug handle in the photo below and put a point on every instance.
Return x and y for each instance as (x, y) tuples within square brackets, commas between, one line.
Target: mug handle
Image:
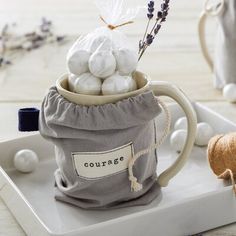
[(166, 89), (208, 11)]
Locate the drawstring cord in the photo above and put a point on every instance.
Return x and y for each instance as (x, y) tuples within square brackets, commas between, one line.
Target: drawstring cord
[(135, 185)]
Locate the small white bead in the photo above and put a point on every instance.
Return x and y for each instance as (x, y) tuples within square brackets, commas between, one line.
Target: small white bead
[(229, 92), (102, 64), (126, 60), (26, 160), (77, 61), (181, 123), (204, 133), (88, 84), (116, 84), (177, 140)]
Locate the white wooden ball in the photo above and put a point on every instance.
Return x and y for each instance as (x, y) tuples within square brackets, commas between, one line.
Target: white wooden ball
[(101, 42), (87, 84), (116, 84), (177, 140), (181, 123), (71, 82), (102, 64), (229, 92), (77, 61), (26, 160), (126, 60), (132, 83), (204, 133)]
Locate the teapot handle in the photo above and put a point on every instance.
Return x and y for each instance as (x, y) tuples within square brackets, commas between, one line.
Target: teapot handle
[(166, 89), (208, 11)]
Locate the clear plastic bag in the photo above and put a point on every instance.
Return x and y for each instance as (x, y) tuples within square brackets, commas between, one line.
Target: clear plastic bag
[(106, 51)]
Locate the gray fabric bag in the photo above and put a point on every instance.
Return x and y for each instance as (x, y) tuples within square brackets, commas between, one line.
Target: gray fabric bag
[(93, 146), (224, 65)]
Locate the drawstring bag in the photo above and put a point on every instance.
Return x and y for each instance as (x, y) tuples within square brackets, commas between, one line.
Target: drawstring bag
[(105, 154), (225, 49)]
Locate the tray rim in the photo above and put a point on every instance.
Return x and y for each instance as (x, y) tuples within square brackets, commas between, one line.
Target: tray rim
[(6, 181)]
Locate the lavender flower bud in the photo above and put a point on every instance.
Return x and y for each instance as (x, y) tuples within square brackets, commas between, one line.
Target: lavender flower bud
[(164, 6), (159, 14), (156, 30), (151, 4), (150, 16), (60, 38), (8, 62), (165, 13), (149, 39), (150, 9)]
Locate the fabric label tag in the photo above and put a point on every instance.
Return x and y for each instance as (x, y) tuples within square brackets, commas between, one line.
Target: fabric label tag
[(93, 165)]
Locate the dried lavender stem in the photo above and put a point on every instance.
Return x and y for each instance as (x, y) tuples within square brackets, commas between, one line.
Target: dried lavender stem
[(142, 52), (145, 34), (11, 44), (161, 17), (145, 47), (157, 21)]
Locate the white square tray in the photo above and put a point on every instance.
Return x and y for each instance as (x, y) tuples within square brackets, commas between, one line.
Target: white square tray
[(194, 201)]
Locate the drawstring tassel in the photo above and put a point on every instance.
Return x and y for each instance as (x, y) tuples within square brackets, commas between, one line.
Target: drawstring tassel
[(135, 185)]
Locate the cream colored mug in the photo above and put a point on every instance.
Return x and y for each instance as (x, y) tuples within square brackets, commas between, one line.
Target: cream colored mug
[(160, 89)]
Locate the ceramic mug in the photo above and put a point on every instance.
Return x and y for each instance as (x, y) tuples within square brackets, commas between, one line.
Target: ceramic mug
[(160, 89)]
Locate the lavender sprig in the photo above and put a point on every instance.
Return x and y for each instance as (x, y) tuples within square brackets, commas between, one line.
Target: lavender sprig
[(150, 16), (148, 38), (10, 43)]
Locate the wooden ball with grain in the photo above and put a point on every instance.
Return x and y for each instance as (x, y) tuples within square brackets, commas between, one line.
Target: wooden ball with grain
[(222, 153)]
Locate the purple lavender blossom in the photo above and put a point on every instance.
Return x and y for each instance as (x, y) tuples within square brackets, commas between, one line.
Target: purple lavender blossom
[(161, 15), (150, 10)]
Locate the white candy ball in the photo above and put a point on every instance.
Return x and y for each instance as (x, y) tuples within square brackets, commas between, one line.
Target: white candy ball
[(77, 62), (87, 84), (181, 123), (126, 60), (204, 133), (132, 83), (102, 43), (26, 160), (177, 140), (71, 82), (102, 64), (116, 84), (229, 92)]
